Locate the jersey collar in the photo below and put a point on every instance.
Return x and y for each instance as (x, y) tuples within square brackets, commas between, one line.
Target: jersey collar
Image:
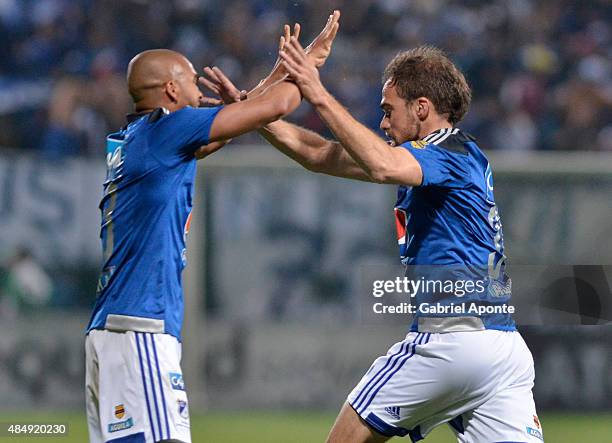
[(154, 115), (439, 135)]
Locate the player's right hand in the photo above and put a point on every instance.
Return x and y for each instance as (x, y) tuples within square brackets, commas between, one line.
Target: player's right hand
[(303, 71)]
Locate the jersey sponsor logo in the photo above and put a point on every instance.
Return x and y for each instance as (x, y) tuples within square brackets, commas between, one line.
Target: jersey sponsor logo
[(121, 425), (418, 144), (119, 411), (176, 381), (402, 233), (535, 433), (393, 411)]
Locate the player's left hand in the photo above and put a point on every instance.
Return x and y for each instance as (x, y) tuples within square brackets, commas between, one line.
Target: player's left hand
[(217, 82), (302, 70), (320, 48)]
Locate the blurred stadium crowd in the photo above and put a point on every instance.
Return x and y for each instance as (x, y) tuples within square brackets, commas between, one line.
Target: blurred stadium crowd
[(540, 70)]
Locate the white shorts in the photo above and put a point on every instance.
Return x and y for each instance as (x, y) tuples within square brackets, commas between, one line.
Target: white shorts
[(134, 388), (478, 382)]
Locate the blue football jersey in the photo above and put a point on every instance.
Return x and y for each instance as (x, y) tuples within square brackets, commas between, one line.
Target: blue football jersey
[(146, 211), (449, 228)]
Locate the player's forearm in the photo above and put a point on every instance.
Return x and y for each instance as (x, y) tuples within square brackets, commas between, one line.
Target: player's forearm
[(301, 145), (206, 150), (367, 149), (245, 116), (248, 115), (282, 98), (277, 74), (312, 151)]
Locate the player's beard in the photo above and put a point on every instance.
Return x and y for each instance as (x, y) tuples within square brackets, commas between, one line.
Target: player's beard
[(408, 136), (414, 135)]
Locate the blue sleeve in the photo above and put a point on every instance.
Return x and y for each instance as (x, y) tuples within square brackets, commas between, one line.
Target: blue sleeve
[(179, 134), (441, 167)]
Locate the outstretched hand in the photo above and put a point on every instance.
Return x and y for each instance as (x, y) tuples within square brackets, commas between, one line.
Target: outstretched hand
[(302, 70), (320, 48), (218, 83)]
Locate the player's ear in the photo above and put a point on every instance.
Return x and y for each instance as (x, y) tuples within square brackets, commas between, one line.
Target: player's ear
[(422, 107), (172, 91)]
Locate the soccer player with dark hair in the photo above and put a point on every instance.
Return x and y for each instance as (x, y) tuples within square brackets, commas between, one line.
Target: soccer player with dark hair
[(134, 386), (473, 371)]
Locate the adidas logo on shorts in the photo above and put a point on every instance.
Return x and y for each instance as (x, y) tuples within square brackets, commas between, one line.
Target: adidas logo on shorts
[(393, 411)]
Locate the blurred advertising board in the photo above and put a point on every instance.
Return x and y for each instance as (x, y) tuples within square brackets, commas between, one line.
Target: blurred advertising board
[(277, 366)]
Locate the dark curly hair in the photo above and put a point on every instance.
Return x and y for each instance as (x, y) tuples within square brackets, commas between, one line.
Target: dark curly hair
[(426, 71)]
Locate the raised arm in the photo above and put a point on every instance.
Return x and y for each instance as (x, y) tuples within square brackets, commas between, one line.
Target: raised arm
[(305, 147), (312, 151), (238, 118), (274, 97), (384, 163), (317, 51)]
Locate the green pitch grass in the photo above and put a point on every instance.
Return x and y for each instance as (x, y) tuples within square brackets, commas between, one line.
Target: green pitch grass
[(305, 427)]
